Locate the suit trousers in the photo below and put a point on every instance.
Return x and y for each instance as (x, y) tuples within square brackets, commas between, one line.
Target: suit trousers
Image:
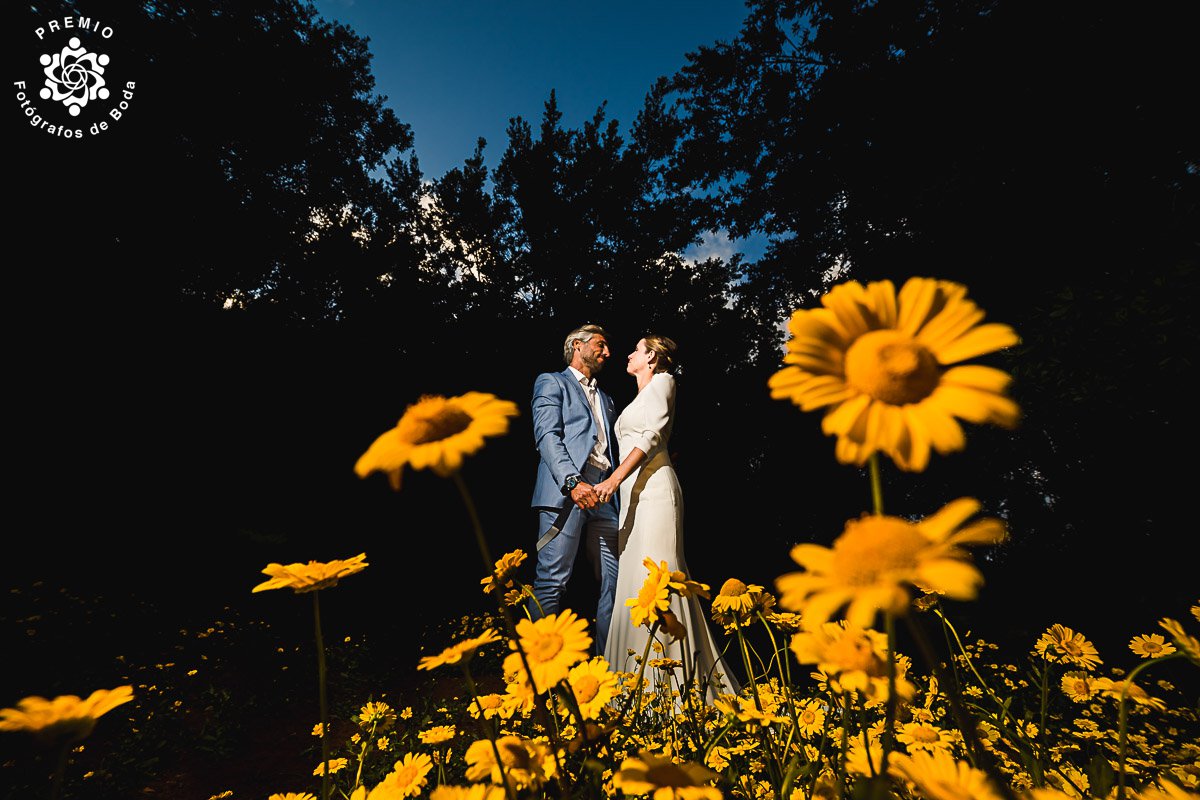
[(556, 560)]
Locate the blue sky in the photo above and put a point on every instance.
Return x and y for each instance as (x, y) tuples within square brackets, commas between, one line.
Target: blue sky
[(457, 70)]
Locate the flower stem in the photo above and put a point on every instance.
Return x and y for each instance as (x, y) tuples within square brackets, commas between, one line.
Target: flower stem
[(876, 484), (321, 699), (60, 770)]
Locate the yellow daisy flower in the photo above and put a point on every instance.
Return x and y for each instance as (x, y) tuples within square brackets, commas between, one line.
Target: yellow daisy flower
[(380, 716), (293, 796), (503, 571), (1151, 646), (593, 684), (785, 621), (552, 645), (736, 602), (663, 779), (877, 558), (653, 597), (408, 777), (917, 736), (66, 718), (811, 716), (676, 580), (437, 734), (311, 576), (881, 365), (489, 706), (528, 764), (462, 651), (851, 659), (1077, 685), (1060, 644), (938, 776), (335, 765), (435, 433)]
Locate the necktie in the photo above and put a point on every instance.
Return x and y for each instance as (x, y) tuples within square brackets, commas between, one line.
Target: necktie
[(601, 448)]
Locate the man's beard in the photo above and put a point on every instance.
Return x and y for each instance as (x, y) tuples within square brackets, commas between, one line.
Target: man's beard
[(593, 363)]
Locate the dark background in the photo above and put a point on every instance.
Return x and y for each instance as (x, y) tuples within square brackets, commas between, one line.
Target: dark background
[(166, 448)]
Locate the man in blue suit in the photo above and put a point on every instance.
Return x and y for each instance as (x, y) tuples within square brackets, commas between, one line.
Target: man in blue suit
[(572, 427)]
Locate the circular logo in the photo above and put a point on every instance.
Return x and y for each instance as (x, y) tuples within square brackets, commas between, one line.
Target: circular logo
[(75, 87)]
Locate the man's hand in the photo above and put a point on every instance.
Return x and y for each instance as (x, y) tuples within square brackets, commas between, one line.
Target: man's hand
[(584, 496)]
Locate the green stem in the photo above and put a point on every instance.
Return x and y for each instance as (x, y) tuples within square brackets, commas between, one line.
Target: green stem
[(876, 484), (321, 699)]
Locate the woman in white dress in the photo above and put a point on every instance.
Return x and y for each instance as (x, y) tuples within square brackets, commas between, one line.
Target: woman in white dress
[(651, 521)]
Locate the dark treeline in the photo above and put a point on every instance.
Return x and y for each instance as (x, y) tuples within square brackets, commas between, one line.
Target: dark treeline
[(225, 298)]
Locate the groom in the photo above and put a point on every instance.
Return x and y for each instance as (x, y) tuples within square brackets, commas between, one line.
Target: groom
[(572, 427)]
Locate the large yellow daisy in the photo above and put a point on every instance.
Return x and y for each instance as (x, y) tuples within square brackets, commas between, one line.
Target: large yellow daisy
[(876, 560), (435, 433), (552, 645), (653, 598), (938, 776), (881, 366), (311, 576), (408, 778), (528, 764), (593, 684), (66, 718), (1061, 645), (851, 659)]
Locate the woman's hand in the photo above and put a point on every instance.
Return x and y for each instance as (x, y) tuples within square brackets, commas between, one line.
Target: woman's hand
[(606, 489)]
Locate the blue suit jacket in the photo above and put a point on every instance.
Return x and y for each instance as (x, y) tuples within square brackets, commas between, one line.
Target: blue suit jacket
[(564, 430)]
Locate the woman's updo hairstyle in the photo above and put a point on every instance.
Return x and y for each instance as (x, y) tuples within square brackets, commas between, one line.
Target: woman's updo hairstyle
[(664, 352)]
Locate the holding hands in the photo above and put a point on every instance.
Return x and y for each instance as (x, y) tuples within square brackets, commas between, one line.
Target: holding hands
[(606, 489)]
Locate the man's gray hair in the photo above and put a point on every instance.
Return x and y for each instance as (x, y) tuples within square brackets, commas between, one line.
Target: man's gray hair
[(583, 333)]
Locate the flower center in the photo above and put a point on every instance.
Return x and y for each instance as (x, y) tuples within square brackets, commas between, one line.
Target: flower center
[(586, 688), (431, 419), (545, 648), (924, 733), (891, 367), (873, 546), (406, 775), (733, 588)]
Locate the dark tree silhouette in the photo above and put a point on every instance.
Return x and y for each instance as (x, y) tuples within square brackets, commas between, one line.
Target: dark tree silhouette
[(1040, 156)]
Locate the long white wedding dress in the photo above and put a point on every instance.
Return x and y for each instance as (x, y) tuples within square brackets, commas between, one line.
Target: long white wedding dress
[(652, 526)]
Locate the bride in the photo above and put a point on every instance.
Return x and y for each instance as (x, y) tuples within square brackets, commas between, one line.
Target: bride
[(651, 521)]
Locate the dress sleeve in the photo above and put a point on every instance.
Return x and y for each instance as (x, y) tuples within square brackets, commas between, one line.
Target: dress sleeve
[(658, 403)]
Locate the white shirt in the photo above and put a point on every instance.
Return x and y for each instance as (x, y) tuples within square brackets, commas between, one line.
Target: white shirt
[(599, 455)]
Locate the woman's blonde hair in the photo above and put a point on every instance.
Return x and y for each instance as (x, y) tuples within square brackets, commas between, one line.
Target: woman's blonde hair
[(664, 349)]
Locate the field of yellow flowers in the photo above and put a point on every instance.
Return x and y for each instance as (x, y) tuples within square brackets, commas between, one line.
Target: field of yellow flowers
[(856, 680)]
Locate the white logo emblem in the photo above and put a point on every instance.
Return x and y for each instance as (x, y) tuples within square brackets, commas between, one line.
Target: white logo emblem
[(74, 76)]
